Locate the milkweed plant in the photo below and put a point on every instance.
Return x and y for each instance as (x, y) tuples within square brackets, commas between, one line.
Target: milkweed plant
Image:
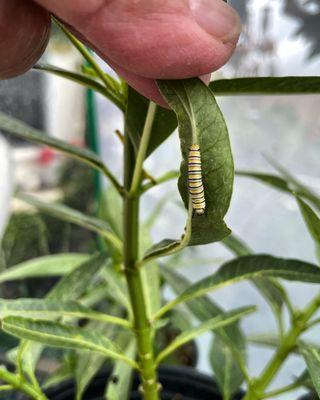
[(130, 270)]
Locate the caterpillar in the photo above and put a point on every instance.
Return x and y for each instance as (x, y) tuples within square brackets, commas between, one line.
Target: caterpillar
[(195, 183)]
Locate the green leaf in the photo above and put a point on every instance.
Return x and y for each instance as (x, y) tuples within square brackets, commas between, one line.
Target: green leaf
[(201, 121), (112, 87), (270, 289), (169, 246), (71, 287), (74, 284), (116, 286), (236, 245), (312, 359), (269, 340), (24, 131), (119, 385), (288, 183), (266, 86), (229, 377), (50, 309), (211, 324), (54, 334), (83, 80), (164, 123), (54, 265), (312, 221), (110, 210), (203, 308), (68, 214), (248, 267), (269, 179), (87, 364)]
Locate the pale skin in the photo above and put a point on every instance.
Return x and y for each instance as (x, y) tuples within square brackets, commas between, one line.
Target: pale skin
[(143, 40)]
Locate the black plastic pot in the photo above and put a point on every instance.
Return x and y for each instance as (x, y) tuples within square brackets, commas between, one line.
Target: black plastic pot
[(179, 383)]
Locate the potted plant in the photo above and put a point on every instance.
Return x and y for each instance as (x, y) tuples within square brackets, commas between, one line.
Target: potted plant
[(108, 306)]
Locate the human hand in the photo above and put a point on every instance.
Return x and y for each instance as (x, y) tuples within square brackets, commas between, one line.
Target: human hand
[(142, 40)]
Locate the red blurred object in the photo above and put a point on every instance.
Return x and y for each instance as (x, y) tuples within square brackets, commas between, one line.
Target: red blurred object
[(46, 156)]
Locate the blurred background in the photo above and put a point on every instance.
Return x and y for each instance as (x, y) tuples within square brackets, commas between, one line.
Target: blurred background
[(280, 38)]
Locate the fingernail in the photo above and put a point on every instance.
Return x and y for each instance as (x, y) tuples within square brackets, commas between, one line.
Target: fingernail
[(217, 18)]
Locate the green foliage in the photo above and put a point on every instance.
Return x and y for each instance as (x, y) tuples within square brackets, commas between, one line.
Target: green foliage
[(248, 267), (164, 121), (201, 122), (54, 334), (119, 384), (209, 325), (55, 265), (48, 309), (313, 223), (267, 86), (227, 373), (84, 80), (312, 358), (76, 217), (108, 307)]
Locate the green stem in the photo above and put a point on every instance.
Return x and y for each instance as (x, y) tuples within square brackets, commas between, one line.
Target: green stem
[(21, 385), (143, 328), (144, 143), (287, 345)]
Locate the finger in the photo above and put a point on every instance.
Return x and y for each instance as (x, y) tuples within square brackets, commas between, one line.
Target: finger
[(24, 33), (155, 38), (147, 86)]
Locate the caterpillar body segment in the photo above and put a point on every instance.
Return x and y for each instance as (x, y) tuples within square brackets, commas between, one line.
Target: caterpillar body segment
[(195, 184)]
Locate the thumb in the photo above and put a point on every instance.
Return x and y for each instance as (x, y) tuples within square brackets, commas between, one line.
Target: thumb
[(144, 40)]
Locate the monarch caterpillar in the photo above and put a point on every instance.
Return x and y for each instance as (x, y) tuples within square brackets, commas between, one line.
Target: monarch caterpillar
[(195, 183)]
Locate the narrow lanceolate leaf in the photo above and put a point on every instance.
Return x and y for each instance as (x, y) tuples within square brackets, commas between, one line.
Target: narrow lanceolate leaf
[(70, 287), (212, 324), (87, 364), (272, 180), (232, 337), (75, 284), (248, 267), (84, 80), (51, 309), (225, 368), (201, 121), (164, 123), (312, 221), (68, 214), (287, 183), (270, 289), (54, 265), (54, 334), (203, 308), (169, 246), (267, 86), (24, 131), (120, 383), (116, 286), (312, 359), (296, 186), (236, 245)]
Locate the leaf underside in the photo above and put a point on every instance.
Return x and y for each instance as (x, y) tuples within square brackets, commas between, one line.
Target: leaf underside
[(201, 121)]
